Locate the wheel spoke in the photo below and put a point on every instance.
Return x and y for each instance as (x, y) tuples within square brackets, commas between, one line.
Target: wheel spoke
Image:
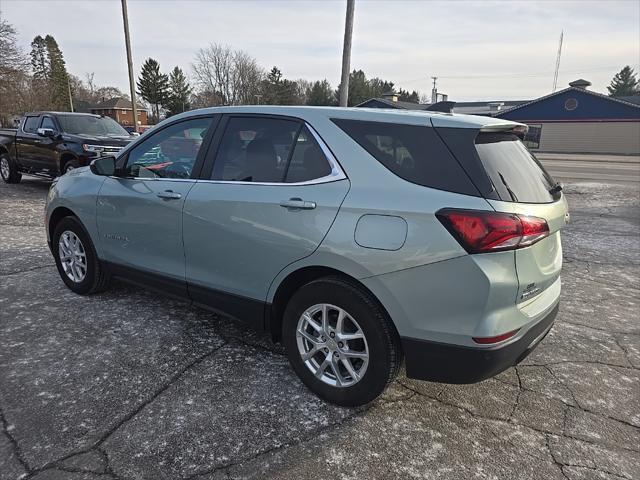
[(315, 325), (313, 340), (323, 366), (350, 336), (325, 318), (347, 364), (336, 371), (352, 354), (340, 322)]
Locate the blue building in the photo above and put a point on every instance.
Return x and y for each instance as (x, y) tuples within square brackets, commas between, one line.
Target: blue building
[(577, 120)]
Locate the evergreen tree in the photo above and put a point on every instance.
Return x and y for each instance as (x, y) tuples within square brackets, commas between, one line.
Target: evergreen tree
[(178, 94), (624, 83), (405, 96), (40, 60), (271, 87), (321, 93), (153, 86), (58, 76)]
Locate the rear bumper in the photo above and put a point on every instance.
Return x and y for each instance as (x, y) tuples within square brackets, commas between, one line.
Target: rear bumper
[(448, 363)]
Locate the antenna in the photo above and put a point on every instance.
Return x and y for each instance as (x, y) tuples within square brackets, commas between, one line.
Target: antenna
[(555, 75), (434, 91)]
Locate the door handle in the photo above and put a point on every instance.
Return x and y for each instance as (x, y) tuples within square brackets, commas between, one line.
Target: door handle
[(169, 195), (298, 204)]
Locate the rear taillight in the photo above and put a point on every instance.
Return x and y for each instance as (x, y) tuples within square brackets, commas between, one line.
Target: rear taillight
[(480, 231)]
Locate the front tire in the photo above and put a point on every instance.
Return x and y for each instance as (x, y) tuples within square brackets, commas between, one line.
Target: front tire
[(340, 342), (9, 170), (69, 165), (76, 258)]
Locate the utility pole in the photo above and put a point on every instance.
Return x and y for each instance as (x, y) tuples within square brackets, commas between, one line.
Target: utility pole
[(132, 85), (70, 97), (555, 75), (346, 54)]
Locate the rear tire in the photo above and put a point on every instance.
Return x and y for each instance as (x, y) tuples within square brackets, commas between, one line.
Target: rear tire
[(364, 318), (76, 258), (9, 170)]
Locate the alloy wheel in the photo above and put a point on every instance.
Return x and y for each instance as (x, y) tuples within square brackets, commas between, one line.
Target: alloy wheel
[(5, 169), (72, 256), (332, 345)]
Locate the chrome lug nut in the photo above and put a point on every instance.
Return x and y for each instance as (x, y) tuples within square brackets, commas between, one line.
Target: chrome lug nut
[(332, 334)]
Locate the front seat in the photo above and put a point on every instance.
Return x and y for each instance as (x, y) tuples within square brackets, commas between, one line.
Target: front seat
[(262, 161)]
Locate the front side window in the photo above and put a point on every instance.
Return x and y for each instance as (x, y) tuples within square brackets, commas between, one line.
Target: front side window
[(31, 124), (269, 150), (169, 153), (47, 122)]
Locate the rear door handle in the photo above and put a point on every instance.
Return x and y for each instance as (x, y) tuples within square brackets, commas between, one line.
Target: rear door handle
[(169, 195), (298, 204)]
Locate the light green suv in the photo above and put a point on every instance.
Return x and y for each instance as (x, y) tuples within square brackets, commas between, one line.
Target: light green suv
[(357, 237)]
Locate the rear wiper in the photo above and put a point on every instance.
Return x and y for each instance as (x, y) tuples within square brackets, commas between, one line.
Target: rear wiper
[(557, 188)]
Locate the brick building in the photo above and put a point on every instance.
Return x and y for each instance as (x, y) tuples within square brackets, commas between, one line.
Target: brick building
[(120, 110)]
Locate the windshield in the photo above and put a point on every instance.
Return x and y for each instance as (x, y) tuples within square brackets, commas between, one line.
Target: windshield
[(89, 125), (516, 174)]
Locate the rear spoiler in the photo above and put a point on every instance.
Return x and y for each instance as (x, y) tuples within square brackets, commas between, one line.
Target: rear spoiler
[(517, 129)]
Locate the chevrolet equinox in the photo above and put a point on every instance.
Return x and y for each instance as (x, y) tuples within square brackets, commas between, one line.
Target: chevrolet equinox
[(359, 238)]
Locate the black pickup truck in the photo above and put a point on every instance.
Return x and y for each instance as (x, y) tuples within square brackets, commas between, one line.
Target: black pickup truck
[(52, 143)]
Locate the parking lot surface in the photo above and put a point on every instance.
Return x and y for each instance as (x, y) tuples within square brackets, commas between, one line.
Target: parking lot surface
[(130, 385)]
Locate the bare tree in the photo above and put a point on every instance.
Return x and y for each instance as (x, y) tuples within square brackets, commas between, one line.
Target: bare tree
[(231, 76)]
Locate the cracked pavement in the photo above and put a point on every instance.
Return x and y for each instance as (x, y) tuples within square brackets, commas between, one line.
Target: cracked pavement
[(130, 385)]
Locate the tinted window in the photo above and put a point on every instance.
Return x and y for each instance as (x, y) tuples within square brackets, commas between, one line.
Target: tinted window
[(412, 152), (308, 161), (169, 153), (31, 124), (90, 125), (255, 149), (516, 174), (47, 122)]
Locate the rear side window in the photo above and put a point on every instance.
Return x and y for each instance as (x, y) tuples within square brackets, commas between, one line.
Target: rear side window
[(269, 150), (515, 173), (412, 152), (31, 124)]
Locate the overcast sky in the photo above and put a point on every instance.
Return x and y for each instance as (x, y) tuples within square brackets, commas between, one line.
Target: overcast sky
[(480, 50)]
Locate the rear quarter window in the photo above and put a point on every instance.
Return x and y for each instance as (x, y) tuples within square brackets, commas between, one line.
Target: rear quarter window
[(412, 152), (516, 174)]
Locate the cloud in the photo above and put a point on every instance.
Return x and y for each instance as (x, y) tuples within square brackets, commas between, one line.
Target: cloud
[(480, 50)]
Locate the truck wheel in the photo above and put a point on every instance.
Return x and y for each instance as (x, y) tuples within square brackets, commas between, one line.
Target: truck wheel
[(340, 341), (9, 170), (69, 165)]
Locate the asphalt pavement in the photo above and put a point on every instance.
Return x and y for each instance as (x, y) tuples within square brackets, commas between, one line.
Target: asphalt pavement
[(130, 385)]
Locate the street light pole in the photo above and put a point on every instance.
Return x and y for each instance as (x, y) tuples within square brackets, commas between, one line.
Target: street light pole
[(132, 86), (346, 54)]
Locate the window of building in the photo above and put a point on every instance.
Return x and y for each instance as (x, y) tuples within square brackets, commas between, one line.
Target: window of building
[(570, 104), (532, 138)]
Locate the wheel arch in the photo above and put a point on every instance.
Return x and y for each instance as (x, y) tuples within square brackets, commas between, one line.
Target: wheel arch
[(58, 214), (298, 278), (64, 158)]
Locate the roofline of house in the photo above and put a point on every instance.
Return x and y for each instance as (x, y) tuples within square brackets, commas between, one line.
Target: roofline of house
[(584, 90)]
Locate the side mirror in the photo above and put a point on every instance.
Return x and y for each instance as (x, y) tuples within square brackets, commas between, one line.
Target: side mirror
[(134, 134), (46, 132), (105, 166)]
